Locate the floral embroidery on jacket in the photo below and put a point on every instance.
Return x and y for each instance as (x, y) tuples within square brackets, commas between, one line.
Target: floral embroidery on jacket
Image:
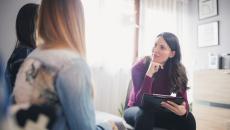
[(40, 78)]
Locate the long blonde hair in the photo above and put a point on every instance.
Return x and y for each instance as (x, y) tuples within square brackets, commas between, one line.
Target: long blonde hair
[(62, 21)]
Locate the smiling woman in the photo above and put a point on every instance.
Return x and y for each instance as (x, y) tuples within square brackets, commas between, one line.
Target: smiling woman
[(161, 73)]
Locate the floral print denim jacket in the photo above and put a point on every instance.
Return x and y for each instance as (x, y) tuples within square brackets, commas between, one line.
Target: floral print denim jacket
[(66, 84)]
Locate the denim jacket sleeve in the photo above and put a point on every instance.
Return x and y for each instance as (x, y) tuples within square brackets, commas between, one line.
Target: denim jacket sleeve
[(75, 92)]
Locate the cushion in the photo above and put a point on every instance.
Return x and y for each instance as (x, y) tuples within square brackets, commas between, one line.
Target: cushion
[(108, 121)]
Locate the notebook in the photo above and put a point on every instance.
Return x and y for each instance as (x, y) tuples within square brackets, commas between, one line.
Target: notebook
[(153, 101)]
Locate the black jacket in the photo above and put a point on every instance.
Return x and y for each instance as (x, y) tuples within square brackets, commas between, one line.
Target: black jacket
[(14, 63)]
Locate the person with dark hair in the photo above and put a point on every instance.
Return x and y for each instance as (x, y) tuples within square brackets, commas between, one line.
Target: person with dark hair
[(160, 73), (25, 30)]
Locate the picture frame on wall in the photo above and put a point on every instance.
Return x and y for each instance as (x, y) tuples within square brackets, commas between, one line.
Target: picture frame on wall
[(208, 8), (208, 34)]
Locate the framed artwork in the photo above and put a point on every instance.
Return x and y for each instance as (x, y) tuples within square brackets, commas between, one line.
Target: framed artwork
[(208, 8), (208, 34)]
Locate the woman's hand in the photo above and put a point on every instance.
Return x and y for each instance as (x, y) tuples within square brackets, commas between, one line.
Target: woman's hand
[(153, 68), (179, 110)]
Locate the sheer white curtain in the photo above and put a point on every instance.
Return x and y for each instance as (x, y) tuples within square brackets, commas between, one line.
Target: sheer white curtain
[(110, 33), (110, 30), (158, 16)]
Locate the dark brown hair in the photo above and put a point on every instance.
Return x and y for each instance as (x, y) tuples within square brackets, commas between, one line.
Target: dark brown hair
[(176, 71), (25, 25)]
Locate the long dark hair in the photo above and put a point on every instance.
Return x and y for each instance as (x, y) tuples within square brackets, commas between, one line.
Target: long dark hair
[(176, 71), (25, 25)]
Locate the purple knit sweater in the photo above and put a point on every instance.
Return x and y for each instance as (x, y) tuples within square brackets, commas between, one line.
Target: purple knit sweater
[(144, 84)]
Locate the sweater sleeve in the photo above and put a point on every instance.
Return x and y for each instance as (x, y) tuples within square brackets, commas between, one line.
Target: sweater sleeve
[(183, 94), (74, 89), (146, 88), (141, 83)]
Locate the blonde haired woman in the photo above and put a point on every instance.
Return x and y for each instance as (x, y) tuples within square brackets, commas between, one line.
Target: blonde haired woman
[(62, 35)]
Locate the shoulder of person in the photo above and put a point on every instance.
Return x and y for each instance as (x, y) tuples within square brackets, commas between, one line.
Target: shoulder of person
[(21, 52), (181, 67), (77, 67), (145, 60), (37, 77)]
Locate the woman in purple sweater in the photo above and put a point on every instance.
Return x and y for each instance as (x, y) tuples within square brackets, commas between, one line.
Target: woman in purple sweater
[(160, 73)]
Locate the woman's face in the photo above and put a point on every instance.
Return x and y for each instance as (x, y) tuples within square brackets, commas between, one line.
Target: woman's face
[(161, 51)]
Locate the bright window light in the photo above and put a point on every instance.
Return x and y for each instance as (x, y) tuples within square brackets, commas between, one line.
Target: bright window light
[(110, 33)]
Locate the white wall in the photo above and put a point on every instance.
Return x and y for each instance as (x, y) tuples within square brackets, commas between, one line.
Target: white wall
[(201, 53)]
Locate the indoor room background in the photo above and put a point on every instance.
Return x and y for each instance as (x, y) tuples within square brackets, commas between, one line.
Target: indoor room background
[(120, 31)]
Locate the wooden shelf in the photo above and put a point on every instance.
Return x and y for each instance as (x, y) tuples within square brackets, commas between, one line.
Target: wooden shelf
[(212, 87)]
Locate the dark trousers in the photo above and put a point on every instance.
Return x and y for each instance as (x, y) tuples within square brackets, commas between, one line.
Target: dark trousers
[(147, 119)]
